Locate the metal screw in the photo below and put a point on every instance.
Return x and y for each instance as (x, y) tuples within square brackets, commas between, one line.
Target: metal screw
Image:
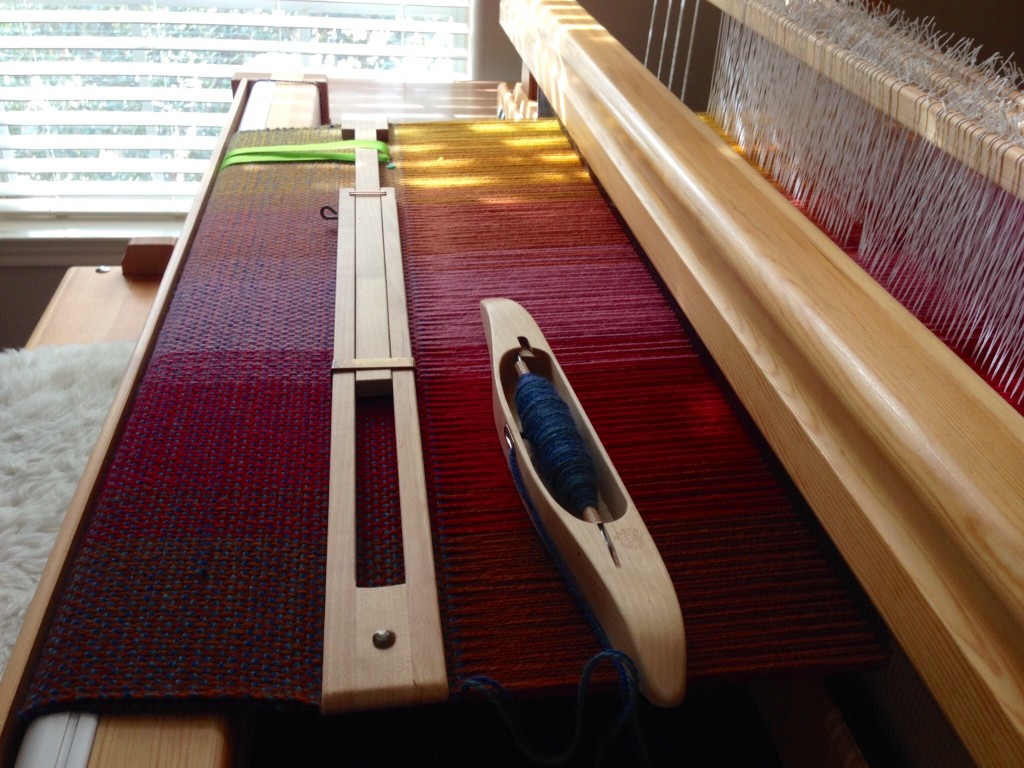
[(383, 639)]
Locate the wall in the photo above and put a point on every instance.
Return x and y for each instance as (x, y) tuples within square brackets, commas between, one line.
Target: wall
[(24, 294), (493, 57), (692, 69)]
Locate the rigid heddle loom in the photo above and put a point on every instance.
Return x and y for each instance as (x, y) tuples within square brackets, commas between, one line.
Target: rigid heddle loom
[(206, 544), (879, 430)]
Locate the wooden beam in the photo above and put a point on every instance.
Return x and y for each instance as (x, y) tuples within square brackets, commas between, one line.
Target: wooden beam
[(912, 463), (95, 304), (284, 99), (805, 725), (163, 741), (962, 138), (147, 256)]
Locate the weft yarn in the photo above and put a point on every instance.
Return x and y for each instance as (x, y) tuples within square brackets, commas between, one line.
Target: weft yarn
[(561, 456)]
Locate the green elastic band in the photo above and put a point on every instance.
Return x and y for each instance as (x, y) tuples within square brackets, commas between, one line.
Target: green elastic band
[(337, 151)]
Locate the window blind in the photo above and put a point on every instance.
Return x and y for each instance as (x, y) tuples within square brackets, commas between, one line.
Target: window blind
[(114, 108)]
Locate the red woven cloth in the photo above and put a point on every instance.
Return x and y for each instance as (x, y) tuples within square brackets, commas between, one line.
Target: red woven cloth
[(201, 577), (761, 590)]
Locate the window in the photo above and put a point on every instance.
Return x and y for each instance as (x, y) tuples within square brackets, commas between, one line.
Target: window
[(114, 107)]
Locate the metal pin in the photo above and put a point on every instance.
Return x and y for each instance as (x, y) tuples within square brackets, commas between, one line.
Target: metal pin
[(383, 639), (611, 547), (591, 515)]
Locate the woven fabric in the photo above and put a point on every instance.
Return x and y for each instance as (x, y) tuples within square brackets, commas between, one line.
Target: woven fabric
[(379, 559), (202, 574), (506, 209)]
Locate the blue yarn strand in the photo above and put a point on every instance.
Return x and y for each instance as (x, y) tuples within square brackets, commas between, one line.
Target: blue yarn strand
[(505, 705), (560, 453), (549, 545), (629, 679)]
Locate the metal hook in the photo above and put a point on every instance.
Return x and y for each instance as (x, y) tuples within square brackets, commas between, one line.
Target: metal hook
[(328, 213)]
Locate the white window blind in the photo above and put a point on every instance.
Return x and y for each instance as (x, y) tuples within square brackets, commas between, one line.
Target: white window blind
[(113, 108)]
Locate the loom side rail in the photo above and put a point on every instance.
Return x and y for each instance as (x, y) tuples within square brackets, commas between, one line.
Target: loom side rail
[(913, 464)]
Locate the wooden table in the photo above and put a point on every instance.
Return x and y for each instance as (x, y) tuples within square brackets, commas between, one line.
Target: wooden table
[(94, 304)]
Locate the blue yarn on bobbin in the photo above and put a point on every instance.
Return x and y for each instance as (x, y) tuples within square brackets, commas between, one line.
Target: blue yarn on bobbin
[(559, 452)]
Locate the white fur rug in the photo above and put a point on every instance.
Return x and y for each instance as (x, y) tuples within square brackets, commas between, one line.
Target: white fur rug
[(52, 403)]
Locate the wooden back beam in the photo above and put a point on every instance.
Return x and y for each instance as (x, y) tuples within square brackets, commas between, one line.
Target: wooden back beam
[(912, 463)]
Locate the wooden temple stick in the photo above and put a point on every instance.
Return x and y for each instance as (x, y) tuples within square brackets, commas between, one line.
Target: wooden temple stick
[(912, 463), (964, 139), (39, 614), (382, 644)]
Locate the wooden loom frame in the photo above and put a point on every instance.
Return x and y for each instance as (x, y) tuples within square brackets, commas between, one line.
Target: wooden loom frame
[(912, 463), (212, 739), (782, 345)]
